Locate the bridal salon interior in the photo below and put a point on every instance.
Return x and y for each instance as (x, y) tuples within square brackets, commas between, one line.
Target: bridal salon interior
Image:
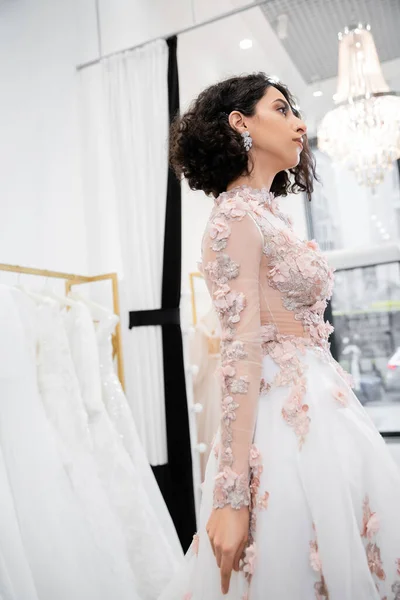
[(110, 398)]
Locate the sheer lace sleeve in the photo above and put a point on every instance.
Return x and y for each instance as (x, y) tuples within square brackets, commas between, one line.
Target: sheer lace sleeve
[(232, 250)]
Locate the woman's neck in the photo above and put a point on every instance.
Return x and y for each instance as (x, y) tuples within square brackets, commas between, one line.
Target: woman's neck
[(261, 176)]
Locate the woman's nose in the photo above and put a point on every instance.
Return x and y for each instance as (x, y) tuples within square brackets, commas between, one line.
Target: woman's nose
[(301, 127)]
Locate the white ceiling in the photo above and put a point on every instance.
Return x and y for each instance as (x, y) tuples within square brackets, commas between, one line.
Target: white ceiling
[(313, 26), (212, 52)]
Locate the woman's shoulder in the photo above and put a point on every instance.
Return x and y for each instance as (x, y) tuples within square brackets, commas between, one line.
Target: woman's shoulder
[(232, 221), (234, 205)]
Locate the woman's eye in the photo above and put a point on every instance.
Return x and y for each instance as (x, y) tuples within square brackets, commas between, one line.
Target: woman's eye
[(283, 110)]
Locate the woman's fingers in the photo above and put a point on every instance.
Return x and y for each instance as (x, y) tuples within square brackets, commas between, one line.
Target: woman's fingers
[(226, 570), (218, 556), (238, 556), (211, 538)]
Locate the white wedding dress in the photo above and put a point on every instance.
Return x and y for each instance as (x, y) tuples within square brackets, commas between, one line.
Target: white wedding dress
[(151, 554), (120, 414), (16, 579), (295, 445), (61, 548)]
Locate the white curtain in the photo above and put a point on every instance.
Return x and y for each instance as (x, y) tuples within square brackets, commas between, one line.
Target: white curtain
[(134, 111)]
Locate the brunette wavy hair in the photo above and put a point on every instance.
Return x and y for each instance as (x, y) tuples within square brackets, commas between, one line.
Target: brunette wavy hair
[(210, 154)]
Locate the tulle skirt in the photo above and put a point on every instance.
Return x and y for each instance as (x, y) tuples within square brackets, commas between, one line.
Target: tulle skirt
[(327, 514)]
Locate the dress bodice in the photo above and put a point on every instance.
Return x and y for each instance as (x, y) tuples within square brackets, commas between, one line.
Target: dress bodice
[(295, 280)]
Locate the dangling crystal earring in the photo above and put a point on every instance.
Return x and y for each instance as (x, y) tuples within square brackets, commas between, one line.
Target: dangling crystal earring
[(247, 140)]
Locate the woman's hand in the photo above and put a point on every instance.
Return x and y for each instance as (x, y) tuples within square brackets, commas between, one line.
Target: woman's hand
[(228, 530)]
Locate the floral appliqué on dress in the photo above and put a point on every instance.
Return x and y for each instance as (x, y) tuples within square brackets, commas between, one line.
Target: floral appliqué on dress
[(340, 396), (370, 528), (249, 558), (320, 588)]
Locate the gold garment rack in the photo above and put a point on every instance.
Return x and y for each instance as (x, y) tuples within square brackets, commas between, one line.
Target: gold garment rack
[(193, 293), (71, 280)]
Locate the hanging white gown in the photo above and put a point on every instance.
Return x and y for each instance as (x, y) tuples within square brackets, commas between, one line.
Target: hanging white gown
[(121, 416), (16, 579), (150, 553), (64, 558)]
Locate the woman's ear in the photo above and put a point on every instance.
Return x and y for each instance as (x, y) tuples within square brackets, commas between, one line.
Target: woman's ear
[(236, 121)]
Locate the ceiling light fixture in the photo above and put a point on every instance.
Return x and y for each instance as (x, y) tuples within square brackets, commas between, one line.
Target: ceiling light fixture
[(246, 44), (363, 131)]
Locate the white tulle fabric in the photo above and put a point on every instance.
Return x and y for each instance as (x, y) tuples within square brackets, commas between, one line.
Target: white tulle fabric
[(16, 579), (150, 553), (61, 546), (322, 487), (121, 416)]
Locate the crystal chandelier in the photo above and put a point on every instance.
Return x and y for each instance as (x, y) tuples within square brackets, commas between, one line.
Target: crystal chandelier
[(363, 131)]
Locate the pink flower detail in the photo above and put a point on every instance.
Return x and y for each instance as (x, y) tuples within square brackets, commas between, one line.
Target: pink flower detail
[(268, 332), (370, 521), (263, 501), (256, 207), (306, 266), (219, 229), (233, 208), (228, 371), (315, 559), (323, 330), (280, 272), (255, 458), (195, 543), (228, 408), (264, 387), (318, 307), (312, 244), (221, 293), (249, 561), (321, 591), (288, 236), (295, 413), (283, 351), (375, 561), (373, 526), (340, 396), (226, 478)]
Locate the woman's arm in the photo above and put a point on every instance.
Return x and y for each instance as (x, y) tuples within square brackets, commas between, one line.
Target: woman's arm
[(232, 251)]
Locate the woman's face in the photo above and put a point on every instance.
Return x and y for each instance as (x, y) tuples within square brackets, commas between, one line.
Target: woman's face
[(276, 131)]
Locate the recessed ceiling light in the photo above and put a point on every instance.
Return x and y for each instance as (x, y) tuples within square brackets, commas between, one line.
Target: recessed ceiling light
[(373, 217), (318, 93), (246, 44)]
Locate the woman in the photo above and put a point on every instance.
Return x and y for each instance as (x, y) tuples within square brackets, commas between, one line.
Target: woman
[(301, 498)]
